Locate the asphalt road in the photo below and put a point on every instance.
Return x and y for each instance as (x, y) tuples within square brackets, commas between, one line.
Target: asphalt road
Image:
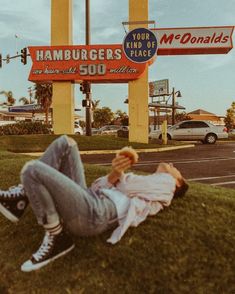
[(211, 164)]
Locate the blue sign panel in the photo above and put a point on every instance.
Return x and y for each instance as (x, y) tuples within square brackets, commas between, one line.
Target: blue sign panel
[(140, 45)]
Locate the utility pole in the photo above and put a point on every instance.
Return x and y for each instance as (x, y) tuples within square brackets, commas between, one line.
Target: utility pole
[(173, 106), (88, 85)]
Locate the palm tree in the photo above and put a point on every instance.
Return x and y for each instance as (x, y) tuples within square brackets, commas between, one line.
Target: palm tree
[(10, 100), (121, 117), (230, 117), (43, 95), (95, 104), (24, 100)]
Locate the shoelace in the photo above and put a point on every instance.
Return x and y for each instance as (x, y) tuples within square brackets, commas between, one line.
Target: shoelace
[(45, 246), (14, 191)]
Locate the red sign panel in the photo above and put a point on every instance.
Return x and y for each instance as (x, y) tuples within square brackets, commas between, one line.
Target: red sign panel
[(195, 40), (95, 63)]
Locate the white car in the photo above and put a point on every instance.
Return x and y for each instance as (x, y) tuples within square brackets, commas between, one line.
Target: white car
[(78, 129), (7, 122), (191, 130), (232, 132)]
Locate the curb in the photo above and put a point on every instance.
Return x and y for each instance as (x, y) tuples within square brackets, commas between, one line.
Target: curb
[(90, 152)]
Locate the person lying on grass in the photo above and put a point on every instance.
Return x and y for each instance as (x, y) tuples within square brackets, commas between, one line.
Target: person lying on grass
[(56, 189)]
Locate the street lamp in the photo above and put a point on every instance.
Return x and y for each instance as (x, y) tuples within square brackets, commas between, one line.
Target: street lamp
[(174, 95), (30, 94)]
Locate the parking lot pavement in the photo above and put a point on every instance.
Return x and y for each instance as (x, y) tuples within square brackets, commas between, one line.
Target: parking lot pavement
[(227, 181), (210, 164)]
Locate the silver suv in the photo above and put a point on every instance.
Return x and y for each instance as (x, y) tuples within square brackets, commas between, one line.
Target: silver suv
[(193, 130)]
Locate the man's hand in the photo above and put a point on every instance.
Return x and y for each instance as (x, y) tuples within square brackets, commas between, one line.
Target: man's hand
[(119, 164)]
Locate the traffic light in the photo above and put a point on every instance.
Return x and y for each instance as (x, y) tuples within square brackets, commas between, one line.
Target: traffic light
[(85, 87), (86, 103), (0, 60), (24, 55), (82, 88), (7, 58)]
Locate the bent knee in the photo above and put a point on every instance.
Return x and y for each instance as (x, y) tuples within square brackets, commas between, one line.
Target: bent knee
[(29, 168), (70, 141)]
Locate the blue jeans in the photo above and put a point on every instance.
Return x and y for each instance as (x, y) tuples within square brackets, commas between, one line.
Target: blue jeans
[(56, 187)]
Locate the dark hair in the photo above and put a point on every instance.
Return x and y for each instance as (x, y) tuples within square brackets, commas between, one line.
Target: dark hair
[(182, 189)]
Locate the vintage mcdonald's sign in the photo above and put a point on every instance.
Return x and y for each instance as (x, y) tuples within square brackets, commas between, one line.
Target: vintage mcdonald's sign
[(194, 40), (120, 63)]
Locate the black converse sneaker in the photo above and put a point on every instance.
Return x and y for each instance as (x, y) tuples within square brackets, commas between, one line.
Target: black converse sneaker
[(52, 247), (13, 202)]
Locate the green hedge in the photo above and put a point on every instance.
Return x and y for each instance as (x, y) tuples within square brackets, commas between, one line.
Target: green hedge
[(123, 133), (25, 128)]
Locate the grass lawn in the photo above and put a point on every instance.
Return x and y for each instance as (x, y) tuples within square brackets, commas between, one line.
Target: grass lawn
[(38, 143), (187, 248)]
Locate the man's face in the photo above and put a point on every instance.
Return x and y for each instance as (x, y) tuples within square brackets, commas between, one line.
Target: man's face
[(170, 169)]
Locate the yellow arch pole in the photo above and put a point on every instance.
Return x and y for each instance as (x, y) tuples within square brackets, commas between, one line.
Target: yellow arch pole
[(138, 89), (63, 92)]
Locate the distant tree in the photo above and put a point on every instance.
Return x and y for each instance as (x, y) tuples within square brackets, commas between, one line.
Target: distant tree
[(43, 95), (24, 100), (180, 116), (102, 116), (10, 100), (122, 117), (95, 104), (125, 121), (230, 117)]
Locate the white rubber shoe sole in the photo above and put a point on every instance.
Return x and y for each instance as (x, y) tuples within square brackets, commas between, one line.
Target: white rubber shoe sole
[(8, 214), (28, 266)]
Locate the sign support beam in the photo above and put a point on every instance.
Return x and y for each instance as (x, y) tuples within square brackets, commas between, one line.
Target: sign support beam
[(63, 92), (138, 89)]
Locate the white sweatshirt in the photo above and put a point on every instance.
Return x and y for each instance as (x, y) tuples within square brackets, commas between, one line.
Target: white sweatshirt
[(136, 197)]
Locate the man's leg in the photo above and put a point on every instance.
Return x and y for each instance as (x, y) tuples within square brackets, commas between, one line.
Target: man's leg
[(54, 198), (51, 193), (63, 155)]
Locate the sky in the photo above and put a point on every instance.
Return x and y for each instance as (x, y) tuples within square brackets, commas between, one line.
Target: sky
[(205, 81)]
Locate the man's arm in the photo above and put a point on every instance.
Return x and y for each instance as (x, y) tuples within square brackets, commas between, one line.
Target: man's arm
[(119, 165)]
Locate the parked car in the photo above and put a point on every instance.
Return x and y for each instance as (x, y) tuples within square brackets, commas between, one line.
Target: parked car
[(232, 132), (123, 132), (94, 131), (7, 122), (78, 129), (193, 130), (108, 130)]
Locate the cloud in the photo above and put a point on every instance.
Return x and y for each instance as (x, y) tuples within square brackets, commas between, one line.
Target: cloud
[(28, 19)]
